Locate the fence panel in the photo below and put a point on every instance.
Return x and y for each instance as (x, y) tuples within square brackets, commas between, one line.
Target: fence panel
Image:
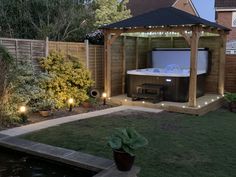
[(96, 65), (73, 49), (230, 74), (80, 51)]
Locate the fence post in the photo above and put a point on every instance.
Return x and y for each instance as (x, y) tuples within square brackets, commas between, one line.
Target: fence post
[(16, 50), (87, 52), (46, 47)]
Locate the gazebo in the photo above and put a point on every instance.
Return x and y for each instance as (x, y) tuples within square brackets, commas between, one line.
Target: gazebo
[(166, 20)]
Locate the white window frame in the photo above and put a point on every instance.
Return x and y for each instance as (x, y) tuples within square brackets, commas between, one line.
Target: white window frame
[(233, 19)]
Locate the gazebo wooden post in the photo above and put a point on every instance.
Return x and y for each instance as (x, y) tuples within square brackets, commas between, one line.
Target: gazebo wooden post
[(123, 64), (107, 62), (193, 67), (222, 63), (109, 38)]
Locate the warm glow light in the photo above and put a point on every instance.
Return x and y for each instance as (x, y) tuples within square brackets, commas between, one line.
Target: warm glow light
[(183, 106), (218, 97), (109, 98), (104, 95), (199, 106), (71, 101), (126, 100), (212, 100), (223, 95), (206, 103), (143, 102), (162, 104), (22, 109)]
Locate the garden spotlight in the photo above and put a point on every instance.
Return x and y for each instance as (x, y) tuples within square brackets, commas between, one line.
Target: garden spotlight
[(71, 102), (104, 96)]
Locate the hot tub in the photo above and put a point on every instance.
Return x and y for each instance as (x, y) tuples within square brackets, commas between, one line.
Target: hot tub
[(174, 77), (176, 84)]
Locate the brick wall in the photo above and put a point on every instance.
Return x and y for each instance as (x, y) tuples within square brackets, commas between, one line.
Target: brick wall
[(225, 19)]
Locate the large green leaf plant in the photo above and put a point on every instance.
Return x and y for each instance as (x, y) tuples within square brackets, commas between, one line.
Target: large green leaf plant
[(127, 140)]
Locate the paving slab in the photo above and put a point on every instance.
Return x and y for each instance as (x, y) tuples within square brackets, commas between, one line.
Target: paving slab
[(138, 108), (91, 162), (3, 136), (113, 172), (50, 150), (16, 143), (71, 157)]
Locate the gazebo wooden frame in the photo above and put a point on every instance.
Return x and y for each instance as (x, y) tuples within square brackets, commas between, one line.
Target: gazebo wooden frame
[(192, 39)]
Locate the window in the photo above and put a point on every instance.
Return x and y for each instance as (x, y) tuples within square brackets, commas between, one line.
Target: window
[(234, 19)]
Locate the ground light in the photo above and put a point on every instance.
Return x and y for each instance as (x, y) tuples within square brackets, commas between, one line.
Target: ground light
[(104, 96), (70, 102), (23, 116)]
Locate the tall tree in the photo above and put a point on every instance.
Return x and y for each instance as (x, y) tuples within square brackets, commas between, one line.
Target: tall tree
[(58, 19), (110, 11)]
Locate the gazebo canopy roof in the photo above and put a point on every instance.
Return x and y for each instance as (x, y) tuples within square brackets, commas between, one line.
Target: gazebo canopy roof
[(164, 17)]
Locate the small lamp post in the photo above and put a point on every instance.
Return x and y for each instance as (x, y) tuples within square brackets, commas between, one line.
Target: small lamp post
[(23, 115), (71, 102), (104, 96)]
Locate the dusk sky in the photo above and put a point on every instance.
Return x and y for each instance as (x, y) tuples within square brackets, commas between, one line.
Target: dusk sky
[(205, 8)]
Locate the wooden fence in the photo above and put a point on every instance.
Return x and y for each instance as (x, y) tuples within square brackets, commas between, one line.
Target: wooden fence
[(230, 74), (25, 50), (31, 50), (135, 50)]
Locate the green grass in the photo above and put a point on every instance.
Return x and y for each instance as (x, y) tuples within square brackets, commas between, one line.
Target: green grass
[(179, 145)]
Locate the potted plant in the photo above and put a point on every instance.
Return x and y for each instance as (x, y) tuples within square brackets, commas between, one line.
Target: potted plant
[(45, 107), (231, 99), (124, 142)]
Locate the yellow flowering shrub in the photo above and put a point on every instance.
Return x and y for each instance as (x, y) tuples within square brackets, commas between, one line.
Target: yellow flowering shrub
[(68, 79)]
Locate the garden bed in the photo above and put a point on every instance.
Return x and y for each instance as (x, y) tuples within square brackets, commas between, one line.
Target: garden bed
[(36, 117), (179, 145)]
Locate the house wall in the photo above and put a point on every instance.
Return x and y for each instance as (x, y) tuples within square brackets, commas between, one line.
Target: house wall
[(185, 6), (177, 42), (138, 7), (225, 19)]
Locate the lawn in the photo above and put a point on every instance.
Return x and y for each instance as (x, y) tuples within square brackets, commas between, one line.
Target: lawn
[(179, 145)]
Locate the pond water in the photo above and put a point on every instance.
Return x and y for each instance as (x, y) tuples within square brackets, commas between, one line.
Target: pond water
[(16, 164)]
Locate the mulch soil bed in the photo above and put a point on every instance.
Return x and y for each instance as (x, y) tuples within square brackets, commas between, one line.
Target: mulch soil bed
[(36, 117)]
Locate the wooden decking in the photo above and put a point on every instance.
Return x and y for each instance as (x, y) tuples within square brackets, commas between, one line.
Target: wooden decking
[(205, 104)]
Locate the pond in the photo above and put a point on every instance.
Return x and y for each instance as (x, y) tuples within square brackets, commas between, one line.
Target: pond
[(16, 164)]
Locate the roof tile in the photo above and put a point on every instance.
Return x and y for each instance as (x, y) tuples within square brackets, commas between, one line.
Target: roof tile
[(138, 7)]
